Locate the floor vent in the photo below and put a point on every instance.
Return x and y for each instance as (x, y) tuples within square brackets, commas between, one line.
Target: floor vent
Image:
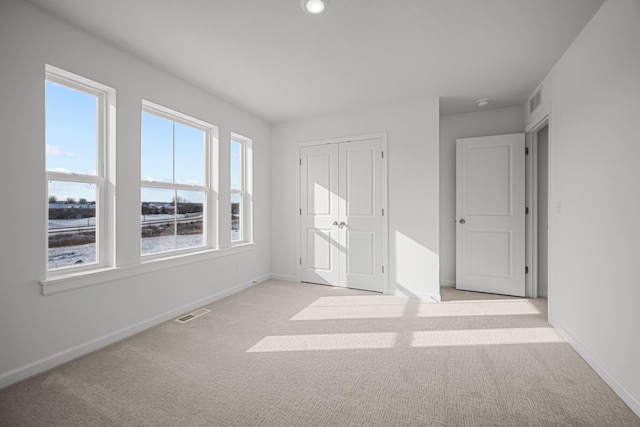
[(189, 317)]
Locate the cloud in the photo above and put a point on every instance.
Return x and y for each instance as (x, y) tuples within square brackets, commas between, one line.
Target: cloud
[(54, 150), (188, 182), (61, 170)]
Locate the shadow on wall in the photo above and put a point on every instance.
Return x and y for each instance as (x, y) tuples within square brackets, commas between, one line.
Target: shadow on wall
[(417, 267)]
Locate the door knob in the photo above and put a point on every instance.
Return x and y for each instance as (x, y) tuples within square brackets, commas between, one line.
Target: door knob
[(462, 221), (342, 224), (336, 223)]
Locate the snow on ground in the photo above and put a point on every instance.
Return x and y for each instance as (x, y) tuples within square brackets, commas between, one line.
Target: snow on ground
[(84, 222), (71, 223), (154, 245), (68, 256)]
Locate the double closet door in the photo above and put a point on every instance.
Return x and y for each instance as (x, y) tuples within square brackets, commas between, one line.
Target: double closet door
[(341, 214)]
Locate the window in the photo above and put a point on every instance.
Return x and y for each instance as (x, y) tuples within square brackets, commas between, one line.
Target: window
[(176, 181), (79, 115), (240, 191)]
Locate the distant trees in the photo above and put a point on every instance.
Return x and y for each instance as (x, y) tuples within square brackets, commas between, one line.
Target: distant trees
[(235, 208), (55, 200), (183, 206), (70, 209), (179, 199)]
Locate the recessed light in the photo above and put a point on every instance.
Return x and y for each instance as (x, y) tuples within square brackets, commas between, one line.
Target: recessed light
[(314, 6), (482, 102)]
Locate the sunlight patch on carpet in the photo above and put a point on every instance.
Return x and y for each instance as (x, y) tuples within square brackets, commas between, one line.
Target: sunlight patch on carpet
[(386, 340), (384, 309)]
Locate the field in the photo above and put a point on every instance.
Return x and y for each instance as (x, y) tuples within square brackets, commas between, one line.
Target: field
[(71, 242), (67, 256)]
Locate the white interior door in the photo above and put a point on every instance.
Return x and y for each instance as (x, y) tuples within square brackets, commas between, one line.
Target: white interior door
[(361, 210), (341, 218), (490, 208), (319, 215)]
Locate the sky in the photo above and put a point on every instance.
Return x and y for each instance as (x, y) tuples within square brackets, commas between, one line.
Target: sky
[(70, 139), (171, 152)]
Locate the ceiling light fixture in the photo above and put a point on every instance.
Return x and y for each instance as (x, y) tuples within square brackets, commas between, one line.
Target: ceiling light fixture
[(314, 6), (482, 102)]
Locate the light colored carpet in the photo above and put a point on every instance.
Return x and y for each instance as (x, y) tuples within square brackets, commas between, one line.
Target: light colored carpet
[(287, 354)]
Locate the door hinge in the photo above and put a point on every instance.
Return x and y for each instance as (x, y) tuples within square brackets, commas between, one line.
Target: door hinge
[(383, 269), (300, 261), (526, 210), (382, 153), (300, 162), (526, 270), (300, 211), (526, 151), (382, 211)]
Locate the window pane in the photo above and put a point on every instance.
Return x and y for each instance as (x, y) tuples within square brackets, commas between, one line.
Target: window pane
[(157, 220), (236, 165), (71, 130), (236, 206), (189, 155), (182, 157), (189, 219), (157, 149), (72, 224)]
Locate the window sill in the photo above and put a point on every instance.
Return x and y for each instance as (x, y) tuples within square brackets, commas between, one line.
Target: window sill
[(76, 280)]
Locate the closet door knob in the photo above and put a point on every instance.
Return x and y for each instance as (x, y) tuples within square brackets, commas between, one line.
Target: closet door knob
[(462, 221)]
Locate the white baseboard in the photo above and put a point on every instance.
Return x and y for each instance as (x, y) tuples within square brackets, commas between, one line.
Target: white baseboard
[(448, 283), (284, 277), (261, 279), (59, 358), (632, 401)]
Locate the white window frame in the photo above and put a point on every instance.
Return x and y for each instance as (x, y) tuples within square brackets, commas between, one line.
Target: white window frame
[(246, 190), (209, 188), (104, 180)]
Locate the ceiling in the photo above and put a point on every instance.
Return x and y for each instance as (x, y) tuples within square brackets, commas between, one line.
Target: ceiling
[(272, 59)]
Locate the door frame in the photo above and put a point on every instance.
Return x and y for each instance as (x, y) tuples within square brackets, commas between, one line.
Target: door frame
[(385, 207), (536, 124)]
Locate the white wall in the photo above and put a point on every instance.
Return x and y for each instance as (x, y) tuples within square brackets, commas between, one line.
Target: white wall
[(480, 123), (412, 129), (39, 331), (594, 153)]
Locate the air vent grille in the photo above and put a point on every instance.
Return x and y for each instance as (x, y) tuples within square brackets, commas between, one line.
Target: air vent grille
[(189, 317), (535, 101)]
